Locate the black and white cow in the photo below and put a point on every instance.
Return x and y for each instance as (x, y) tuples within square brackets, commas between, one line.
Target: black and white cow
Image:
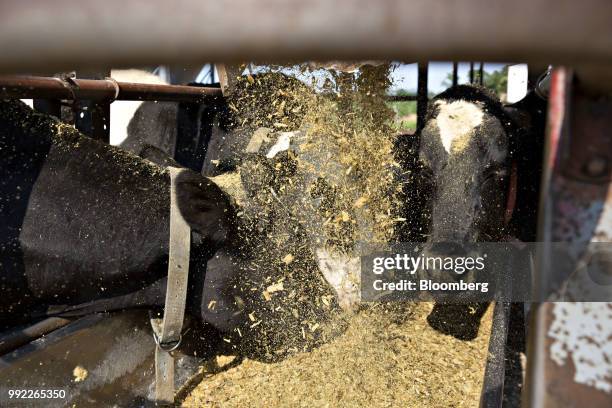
[(84, 226), (481, 163), (478, 160)]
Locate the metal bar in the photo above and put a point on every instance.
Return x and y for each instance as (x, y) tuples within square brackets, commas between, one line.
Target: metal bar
[(422, 97), (495, 369), (471, 73), (455, 73), (481, 74), (100, 89), (35, 35), (19, 337)]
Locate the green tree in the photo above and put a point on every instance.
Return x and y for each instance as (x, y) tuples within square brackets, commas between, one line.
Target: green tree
[(496, 80), (403, 92)]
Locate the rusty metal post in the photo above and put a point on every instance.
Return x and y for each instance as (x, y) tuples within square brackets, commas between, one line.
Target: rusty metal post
[(422, 97), (565, 369)]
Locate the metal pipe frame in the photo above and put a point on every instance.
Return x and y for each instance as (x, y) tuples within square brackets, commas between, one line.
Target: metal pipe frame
[(100, 89), (40, 35), (50, 88)]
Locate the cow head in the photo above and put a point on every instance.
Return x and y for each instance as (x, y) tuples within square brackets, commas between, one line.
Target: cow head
[(465, 153)]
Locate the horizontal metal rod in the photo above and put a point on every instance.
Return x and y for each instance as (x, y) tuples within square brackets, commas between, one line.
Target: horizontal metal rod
[(30, 87), (45, 36), (16, 338), (100, 89)]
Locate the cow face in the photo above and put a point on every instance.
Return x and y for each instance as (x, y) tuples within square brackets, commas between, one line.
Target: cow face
[(464, 151), (207, 209)]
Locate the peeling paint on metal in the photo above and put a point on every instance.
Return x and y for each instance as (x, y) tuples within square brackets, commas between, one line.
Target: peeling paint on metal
[(582, 333)]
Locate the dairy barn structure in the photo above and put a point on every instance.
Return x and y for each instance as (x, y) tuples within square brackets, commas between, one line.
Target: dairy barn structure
[(541, 353)]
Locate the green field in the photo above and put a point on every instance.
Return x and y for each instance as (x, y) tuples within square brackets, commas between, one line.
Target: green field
[(405, 115)]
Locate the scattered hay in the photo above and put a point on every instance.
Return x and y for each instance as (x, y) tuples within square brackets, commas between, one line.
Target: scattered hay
[(80, 374), (338, 177), (388, 356), (316, 172), (317, 182)]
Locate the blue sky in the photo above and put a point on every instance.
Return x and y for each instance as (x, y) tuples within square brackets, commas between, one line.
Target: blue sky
[(405, 76)]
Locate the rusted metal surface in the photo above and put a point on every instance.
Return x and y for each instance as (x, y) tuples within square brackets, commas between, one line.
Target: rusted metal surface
[(570, 344), (38, 34), (97, 90), (591, 152)]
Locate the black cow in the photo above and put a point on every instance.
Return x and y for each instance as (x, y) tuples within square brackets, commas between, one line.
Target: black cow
[(84, 226), (481, 163)]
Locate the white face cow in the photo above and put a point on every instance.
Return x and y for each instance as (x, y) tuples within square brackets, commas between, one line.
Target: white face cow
[(464, 149)]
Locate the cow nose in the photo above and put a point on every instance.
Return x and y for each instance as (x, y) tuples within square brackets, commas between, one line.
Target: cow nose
[(448, 249)]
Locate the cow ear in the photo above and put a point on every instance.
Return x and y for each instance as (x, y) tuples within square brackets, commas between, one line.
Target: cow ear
[(205, 207)]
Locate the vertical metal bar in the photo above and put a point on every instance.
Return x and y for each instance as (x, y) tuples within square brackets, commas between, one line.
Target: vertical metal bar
[(493, 384), (93, 117), (481, 74), (471, 72), (575, 204), (455, 73), (422, 97)]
